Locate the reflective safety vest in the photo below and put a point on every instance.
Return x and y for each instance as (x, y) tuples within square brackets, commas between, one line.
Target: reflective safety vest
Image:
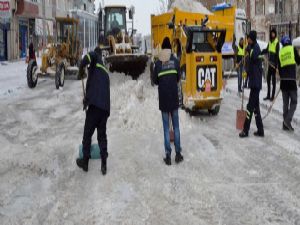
[(241, 51), (287, 56), (167, 72), (98, 65), (272, 46)]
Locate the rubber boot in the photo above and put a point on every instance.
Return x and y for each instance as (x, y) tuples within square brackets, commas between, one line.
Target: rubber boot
[(178, 158), (83, 164)]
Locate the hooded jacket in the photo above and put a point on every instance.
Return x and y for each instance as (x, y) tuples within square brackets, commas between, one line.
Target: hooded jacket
[(98, 83), (166, 76), (272, 55), (288, 73), (254, 68)]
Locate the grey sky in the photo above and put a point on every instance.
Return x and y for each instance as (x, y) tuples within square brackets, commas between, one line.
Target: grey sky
[(143, 10)]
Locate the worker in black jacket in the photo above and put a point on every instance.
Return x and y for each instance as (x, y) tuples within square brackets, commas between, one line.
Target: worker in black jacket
[(288, 58), (166, 76), (255, 84), (97, 102), (273, 51)]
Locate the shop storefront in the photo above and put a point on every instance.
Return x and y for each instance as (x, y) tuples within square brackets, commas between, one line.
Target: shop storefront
[(4, 27)]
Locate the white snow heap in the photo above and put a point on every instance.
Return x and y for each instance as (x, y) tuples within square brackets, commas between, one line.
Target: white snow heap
[(190, 6), (296, 42)]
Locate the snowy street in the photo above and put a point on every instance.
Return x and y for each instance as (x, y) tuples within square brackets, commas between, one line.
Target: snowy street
[(223, 180)]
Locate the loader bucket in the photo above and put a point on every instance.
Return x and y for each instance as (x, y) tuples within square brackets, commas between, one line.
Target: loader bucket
[(130, 64)]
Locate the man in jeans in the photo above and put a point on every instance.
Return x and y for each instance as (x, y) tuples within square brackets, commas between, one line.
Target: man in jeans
[(166, 76)]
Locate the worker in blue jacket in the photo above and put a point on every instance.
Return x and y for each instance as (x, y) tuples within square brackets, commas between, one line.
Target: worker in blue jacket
[(255, 84), (97, 103), (167, 76)]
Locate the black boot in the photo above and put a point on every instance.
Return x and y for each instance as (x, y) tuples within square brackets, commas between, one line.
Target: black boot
[(104, 166), (168, 160), (259, 134), (83, 164), (289, 126), (266, 98), (243, 134), (284, 127), (178, 158)]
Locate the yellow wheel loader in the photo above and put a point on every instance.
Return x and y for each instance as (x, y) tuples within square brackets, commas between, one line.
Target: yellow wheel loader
[(197, 43), (60, 57), (120, 52)]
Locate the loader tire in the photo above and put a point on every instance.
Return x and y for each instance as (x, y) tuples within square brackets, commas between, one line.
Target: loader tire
[(60, 76), (32, 77)]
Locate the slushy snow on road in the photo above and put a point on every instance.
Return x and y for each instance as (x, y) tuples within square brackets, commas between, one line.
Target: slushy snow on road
[(223, 179)]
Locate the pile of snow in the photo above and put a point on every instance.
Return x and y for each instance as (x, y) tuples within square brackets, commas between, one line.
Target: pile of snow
[(296, 42), (190, 6), (262, 44)]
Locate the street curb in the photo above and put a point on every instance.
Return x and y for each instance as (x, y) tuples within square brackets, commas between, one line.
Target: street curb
[(264, 106)]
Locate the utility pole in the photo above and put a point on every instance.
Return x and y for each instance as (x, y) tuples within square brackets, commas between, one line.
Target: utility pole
[(44, 23)]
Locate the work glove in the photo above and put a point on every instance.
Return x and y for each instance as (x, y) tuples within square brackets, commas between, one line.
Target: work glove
[(244, 75), (85, 104)]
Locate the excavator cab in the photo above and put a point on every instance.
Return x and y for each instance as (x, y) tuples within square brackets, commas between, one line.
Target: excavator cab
[(115, 20), (120, 52)]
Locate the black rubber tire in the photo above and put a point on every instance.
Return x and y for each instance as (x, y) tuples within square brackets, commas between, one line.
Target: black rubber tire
[(214, 111), (30, 69), (59, 79)]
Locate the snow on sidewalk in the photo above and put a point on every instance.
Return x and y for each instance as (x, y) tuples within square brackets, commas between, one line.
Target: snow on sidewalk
[(11, 77), (232, 88)]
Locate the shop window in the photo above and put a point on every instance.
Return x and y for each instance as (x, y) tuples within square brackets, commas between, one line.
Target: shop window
[(259, 7)]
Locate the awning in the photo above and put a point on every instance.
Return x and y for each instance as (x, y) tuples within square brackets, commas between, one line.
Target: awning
[(5, 9), (221, 6), (27, 9)]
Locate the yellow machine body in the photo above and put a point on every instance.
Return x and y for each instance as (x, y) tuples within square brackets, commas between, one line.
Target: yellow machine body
[(201, 79)]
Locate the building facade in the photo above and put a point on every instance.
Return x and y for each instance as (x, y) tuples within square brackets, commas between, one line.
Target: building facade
[(22, 21), (266, 14), (280, 14)]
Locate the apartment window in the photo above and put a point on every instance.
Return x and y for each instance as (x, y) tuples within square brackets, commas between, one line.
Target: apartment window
[(279, 6), (259, 7)]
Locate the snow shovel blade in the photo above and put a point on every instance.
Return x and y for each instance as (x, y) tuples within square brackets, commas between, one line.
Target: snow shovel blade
[(240, 119), (95, 151), (171, 136)]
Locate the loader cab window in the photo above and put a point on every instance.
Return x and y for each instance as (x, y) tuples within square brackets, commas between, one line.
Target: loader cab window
[(200, 42), (115, 20)]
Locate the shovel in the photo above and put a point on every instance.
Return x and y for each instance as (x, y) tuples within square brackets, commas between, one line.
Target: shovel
[(241, 115)]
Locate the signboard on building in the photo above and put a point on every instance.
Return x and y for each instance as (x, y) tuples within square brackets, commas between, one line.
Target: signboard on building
[(4, 9), (39, 27)]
